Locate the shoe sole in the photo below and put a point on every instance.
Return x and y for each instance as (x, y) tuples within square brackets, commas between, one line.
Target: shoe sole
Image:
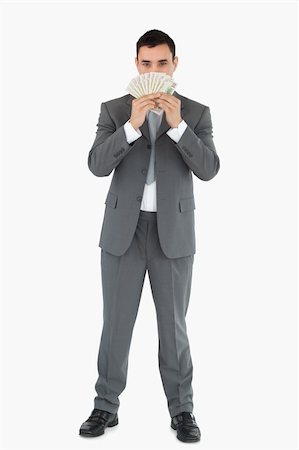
[(111, 424), (185, 440)]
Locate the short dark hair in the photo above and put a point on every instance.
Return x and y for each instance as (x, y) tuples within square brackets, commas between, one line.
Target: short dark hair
[(155, 37)]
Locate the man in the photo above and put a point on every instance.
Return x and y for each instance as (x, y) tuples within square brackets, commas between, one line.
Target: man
[(149, 225)]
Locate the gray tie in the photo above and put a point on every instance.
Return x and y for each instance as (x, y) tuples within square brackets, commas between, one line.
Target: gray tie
[(153, 119)]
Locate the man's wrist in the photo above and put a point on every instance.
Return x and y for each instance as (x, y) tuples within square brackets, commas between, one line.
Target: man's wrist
[(131, 133), (133, 125), (176, 126)]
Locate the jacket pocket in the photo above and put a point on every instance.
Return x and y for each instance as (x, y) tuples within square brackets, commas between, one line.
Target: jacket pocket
[(111, 200), (187, 204)]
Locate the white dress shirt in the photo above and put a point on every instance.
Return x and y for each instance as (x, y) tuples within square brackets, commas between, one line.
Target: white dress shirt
[(149, 198)]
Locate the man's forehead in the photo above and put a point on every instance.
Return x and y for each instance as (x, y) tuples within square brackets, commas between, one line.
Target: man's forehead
[(149, 57), (147, 53)]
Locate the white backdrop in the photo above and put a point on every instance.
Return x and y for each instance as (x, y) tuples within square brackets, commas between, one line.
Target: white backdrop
[(60, 61)]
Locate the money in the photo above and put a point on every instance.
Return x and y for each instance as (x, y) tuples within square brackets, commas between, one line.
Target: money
[(149, 83)]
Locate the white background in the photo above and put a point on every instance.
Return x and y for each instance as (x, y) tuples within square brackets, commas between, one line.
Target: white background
[(60, 61)]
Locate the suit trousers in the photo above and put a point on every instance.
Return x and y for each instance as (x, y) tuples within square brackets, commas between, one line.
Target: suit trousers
[(122, 283)]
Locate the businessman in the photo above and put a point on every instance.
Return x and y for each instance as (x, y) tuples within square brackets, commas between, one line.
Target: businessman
[(148, 225)]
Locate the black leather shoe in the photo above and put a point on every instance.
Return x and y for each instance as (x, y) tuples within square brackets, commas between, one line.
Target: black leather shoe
[(186, 426), (97, 422)]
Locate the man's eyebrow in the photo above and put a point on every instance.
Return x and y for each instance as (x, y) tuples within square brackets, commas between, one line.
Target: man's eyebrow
[(160, 60)]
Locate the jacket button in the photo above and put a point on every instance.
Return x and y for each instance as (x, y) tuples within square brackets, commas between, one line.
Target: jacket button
[(144, 171), (139, 198), (148, 146)]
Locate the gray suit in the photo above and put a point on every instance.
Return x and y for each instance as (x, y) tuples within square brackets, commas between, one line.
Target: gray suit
[(163, 242), (195, 152)]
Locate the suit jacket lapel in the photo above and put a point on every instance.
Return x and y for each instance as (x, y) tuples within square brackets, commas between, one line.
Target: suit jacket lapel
[(164, 126)]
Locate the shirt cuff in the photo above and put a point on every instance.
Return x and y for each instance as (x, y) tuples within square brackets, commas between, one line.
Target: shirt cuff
[(176, 133), (131, 133)]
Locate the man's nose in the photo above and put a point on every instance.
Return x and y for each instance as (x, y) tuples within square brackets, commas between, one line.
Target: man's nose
[(156, 69)]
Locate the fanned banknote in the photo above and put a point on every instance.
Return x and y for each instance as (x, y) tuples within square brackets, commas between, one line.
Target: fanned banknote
[(149, 83)]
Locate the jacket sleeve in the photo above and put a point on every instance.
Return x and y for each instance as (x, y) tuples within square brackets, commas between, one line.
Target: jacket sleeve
[(110, 145), (198, 150)]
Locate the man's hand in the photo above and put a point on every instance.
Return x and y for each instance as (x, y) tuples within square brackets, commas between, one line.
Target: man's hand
[(172, 107), (140, 106)]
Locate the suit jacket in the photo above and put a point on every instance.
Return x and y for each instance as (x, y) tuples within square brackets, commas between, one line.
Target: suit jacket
[(176, 163)]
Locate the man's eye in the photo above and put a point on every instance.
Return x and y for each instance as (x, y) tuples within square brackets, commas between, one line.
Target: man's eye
[(146, 64)]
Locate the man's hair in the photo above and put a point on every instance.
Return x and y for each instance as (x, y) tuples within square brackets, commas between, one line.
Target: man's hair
[(155, 37)]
